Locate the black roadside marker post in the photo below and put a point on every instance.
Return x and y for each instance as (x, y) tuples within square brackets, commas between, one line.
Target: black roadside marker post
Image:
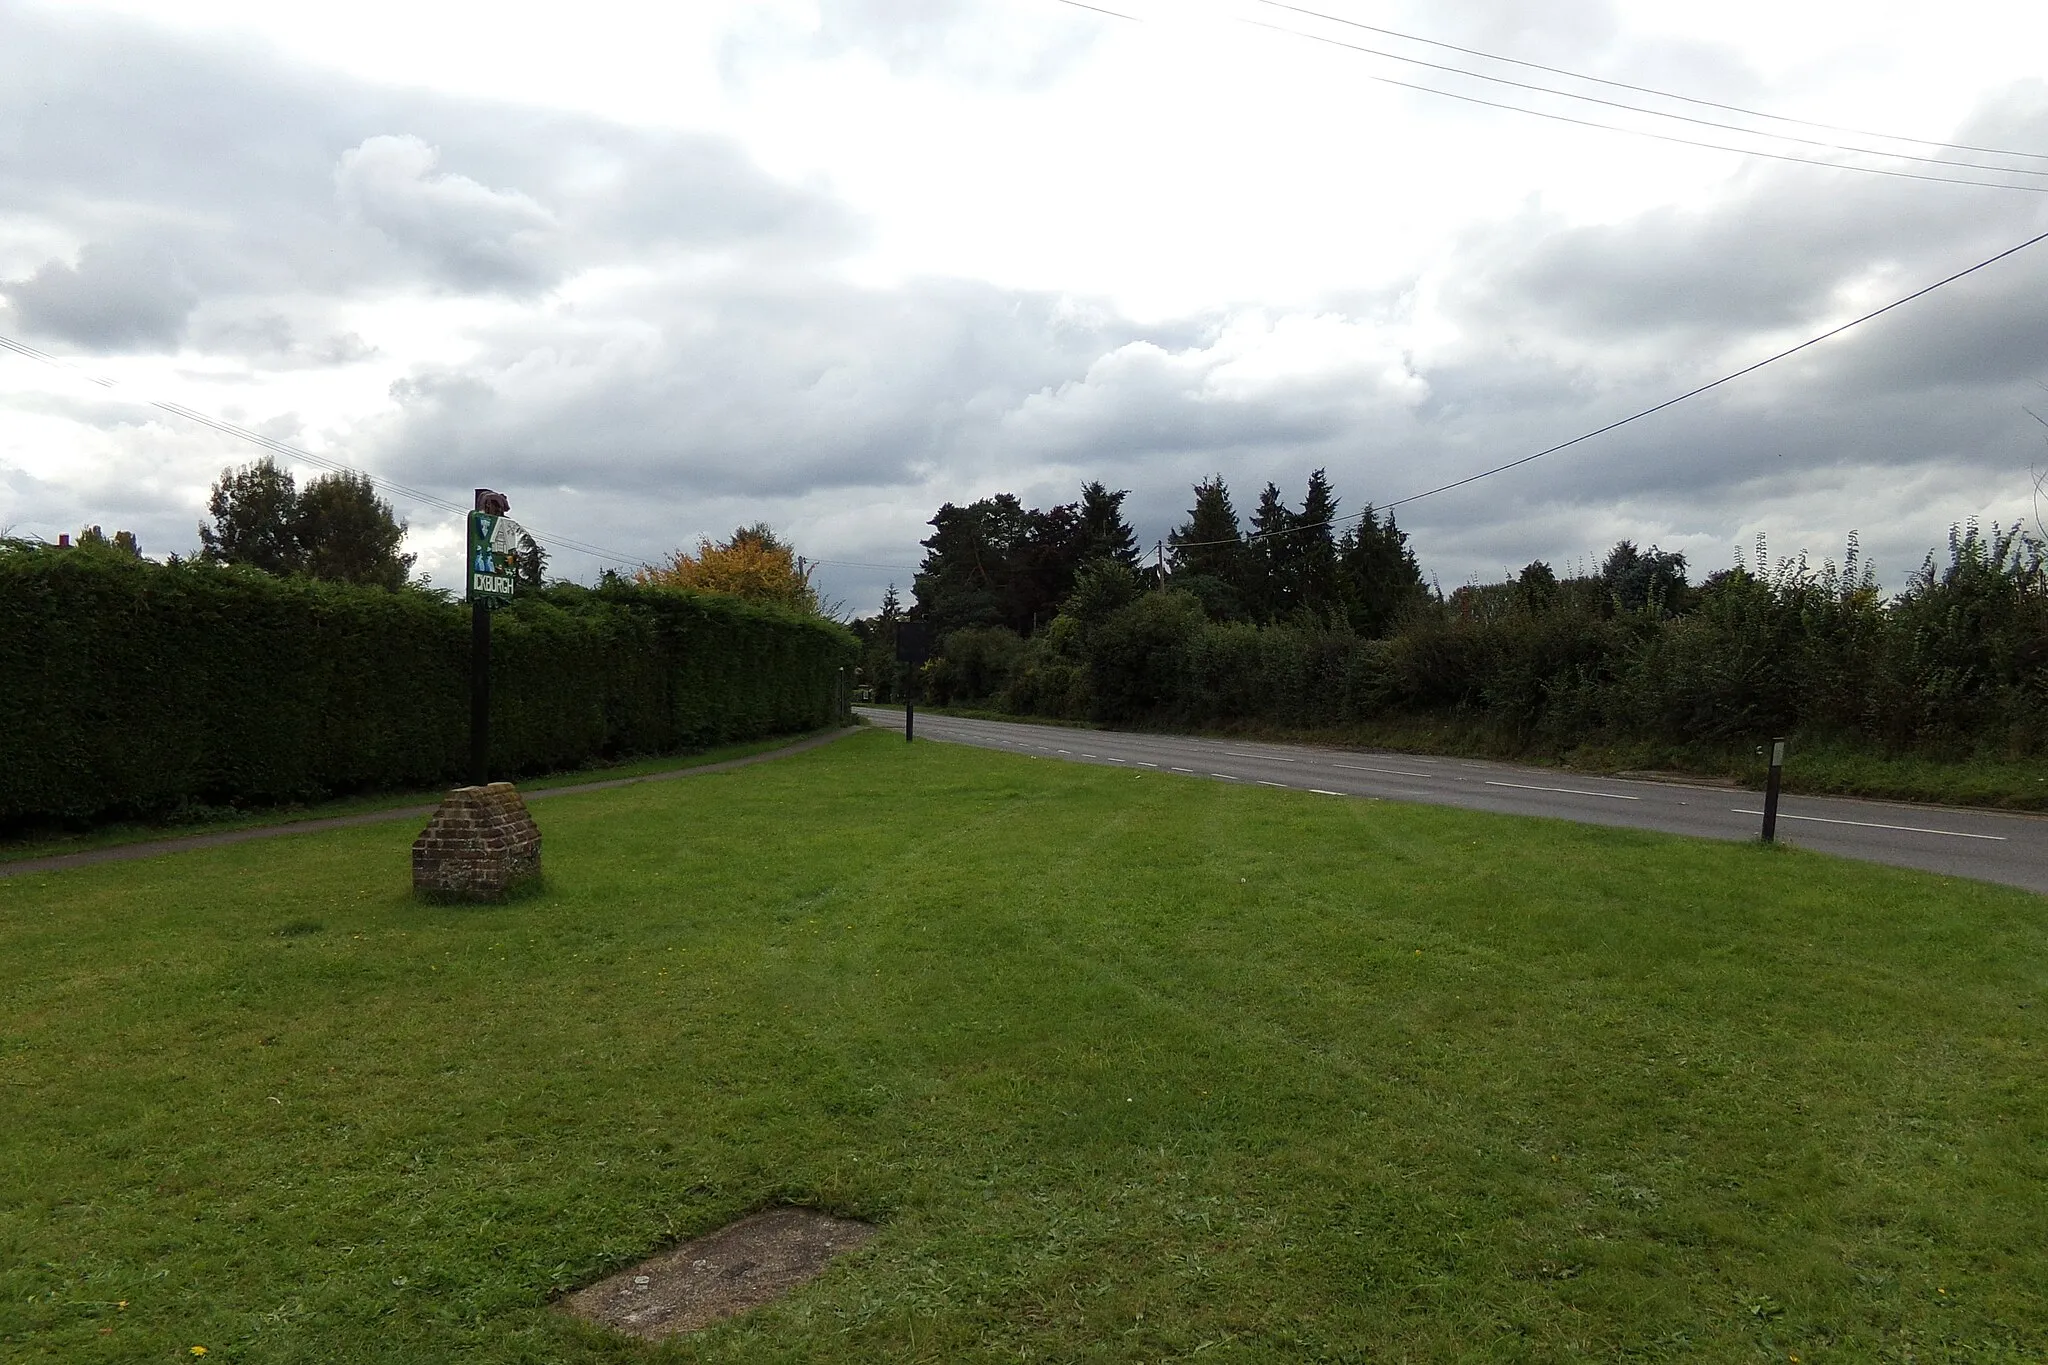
[(913, 647), (1771, 791)]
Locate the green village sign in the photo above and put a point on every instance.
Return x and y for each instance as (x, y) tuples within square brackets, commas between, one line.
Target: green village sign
[(493, 557)]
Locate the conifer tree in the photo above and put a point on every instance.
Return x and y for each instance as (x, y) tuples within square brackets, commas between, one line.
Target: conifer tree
[(1104, 534), (1208, 554), (1211, 542), (1380, 576), (1272, 574), (1314, 552)]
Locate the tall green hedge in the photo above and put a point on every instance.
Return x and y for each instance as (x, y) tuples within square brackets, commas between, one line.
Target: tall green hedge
[(133, 687)]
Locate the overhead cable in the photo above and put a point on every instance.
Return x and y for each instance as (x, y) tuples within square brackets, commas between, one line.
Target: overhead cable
[(1652, 90), (1656, 136), (1672, 138), (1639, 109), (1749, 369)]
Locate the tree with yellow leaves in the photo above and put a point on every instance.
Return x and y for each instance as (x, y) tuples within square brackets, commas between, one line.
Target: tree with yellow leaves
[(753, 564)]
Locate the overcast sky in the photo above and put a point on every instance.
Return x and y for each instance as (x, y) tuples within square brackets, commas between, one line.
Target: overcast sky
[(828, 265)]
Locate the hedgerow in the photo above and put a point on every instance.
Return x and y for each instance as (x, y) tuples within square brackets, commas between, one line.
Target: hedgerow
[(130, 687), (1954, 666)]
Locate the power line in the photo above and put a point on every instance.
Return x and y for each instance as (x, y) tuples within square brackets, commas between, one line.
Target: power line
[(856, 564), (1630, 108), (1644, 132), (1651, 90), (1652, 113), (1922, 292)]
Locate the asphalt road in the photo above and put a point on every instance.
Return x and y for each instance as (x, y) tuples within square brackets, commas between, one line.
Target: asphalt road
[(1986, 846)]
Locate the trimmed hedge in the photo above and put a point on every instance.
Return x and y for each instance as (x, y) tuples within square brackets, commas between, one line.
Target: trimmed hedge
[(128, 687)]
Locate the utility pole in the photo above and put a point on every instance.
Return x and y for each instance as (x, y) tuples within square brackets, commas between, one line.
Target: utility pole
[(1160, 546)]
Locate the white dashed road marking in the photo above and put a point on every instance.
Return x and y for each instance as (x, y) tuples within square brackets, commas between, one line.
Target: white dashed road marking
[(1872, 824), (1568, 791)]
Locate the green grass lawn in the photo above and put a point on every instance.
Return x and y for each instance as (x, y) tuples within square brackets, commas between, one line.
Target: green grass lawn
[(39, 841), (1126, 1066)]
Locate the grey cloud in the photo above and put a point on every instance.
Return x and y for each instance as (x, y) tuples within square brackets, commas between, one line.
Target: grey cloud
[(121, 295), (262, 175), (274, 341), (475, 237), (1758, 261), (761, 385)]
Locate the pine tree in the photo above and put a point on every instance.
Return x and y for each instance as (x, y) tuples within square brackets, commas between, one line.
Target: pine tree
[(1104, 532), (969, 570), (1314, 551), (1208, 554), (1272, 574), (1381, 579)]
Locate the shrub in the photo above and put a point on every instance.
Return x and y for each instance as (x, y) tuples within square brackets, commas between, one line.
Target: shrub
[(133, 687)]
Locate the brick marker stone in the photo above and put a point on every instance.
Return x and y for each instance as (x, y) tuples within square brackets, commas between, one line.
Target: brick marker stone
[(481, 845)]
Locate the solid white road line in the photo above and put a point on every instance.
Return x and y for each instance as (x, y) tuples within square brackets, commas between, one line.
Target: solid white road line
[(1568, 791), (1872, 824)]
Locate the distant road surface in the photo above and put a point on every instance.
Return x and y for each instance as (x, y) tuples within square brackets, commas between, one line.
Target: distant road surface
[(2012, 849)]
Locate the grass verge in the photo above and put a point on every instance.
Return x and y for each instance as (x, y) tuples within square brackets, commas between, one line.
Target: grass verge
[(1817, 766), (46, 841), (1127, 1066)]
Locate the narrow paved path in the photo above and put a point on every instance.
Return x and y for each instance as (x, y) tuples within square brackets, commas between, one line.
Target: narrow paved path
[(1983, 845), (117, 853)]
